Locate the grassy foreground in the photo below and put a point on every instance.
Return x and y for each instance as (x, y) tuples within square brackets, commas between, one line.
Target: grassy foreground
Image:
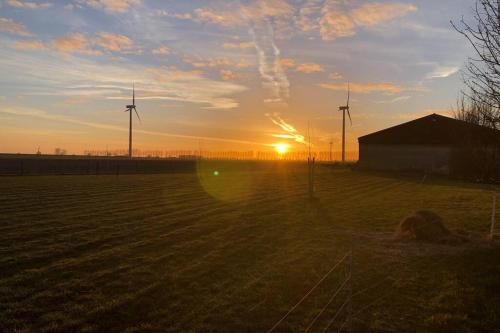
[(233, 248)]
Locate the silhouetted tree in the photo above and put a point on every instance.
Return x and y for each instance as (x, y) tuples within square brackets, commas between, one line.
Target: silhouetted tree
[(482, 73), (474, 111)]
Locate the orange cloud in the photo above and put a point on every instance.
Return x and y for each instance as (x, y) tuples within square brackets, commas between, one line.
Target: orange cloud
[(309, 68), (226, 74), (224, 18), (28, 4), (112, 5), (12, 27), (80, 43), (212, 62), (365, 88), (337, 21), (161, 50), (306, 19), (242, 46), (113, 42), (242, 64), (28, 45), (286, 62), (260, 9), (74, 43), (375, 13)]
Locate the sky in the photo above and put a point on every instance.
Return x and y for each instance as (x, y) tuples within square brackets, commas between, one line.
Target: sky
[(221, 75)]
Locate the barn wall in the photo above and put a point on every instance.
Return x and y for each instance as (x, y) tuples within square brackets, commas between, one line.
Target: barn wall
[(434, 159)]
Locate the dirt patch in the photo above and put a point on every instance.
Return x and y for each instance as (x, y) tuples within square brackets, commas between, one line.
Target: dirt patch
[(427, 226)]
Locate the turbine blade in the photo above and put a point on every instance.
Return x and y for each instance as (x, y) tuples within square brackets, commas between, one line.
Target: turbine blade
[(133, 93), (126, 110), (349, 114), (137, 114), (348, 91)]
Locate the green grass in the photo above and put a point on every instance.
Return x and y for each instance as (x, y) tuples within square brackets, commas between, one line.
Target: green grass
[(235, 251)]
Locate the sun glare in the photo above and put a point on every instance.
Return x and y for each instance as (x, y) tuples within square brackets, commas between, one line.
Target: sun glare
[(281, 148)]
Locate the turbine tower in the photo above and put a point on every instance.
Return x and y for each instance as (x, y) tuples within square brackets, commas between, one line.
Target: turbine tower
[(129, 109), (344, 109)]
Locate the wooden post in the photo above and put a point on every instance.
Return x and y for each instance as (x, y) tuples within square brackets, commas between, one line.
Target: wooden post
[(310, 165), (493, 213)]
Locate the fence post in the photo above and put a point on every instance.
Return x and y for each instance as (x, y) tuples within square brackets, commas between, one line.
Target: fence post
[(493, 213), (310, 165)]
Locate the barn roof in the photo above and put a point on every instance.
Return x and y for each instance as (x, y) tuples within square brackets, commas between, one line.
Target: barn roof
[(433, 129)]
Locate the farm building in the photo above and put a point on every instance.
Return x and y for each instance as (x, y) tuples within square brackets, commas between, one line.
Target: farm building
[(433, 143)]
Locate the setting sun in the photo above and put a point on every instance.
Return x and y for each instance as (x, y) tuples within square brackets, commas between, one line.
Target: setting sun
[(281, 148)]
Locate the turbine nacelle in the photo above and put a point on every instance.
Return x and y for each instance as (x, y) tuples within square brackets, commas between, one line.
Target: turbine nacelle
[(130, 106)]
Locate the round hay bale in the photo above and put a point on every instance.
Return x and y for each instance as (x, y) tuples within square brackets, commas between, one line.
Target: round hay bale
[(424, 226)]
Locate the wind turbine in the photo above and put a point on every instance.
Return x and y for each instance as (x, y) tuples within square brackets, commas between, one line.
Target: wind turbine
[(129, 109), (344, 109)]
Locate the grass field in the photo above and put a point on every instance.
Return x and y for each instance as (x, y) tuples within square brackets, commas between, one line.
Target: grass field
[(233, 248)]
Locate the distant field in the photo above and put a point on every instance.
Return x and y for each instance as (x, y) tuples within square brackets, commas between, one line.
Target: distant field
[(233, 248)]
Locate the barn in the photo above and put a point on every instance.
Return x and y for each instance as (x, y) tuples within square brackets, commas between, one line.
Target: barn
[(434, 143)]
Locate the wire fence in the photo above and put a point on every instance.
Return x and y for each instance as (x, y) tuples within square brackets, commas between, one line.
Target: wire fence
[(308, 293)]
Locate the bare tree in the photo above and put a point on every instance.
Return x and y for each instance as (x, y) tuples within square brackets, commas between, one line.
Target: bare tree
[(482, 72), (474, 111), (59, 151)]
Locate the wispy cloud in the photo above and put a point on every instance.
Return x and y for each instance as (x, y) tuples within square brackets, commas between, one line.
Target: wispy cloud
[(394, 100), (41, 114), (111, 5), (180, 16), (286, 62), (222, 17), (340, 20), (74, 76), (336, 76), (28, 4), (13, 27), (306, 20), (309, 68), (81, 44), (273, 77), (74, 43), (290, 131), (443, 71), (375, 13), (241, 45), (113, 42), (28, 45), (364, 88), (162, 50)]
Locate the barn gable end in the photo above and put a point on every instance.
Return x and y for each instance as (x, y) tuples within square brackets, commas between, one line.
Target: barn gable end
[(425, 144)]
